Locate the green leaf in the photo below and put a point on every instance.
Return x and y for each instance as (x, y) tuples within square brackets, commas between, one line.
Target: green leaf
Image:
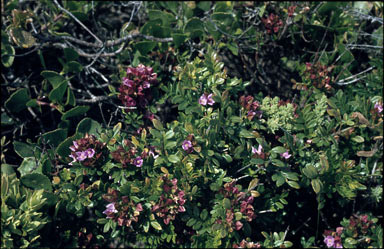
[(54, 137), (253, 184), (71, 100), (70, 54), (6, 120), (293, 184), (247, 134), (7, 54), (53, 77), (358, 139), (204, 214), (310, 171), (63, 148), (36, 181), (145, 46), (28, 165), (156, 225), (226, 203), (57, 93), (23, 149), (170, 145), (278, 163), (73, 67), (179, 39), (18, 100), (169, 134), (165, 17), (76, 111), (21, 37), (174, 159), (195, 27), (88, 125), (317, 185), (191, 222), (157, 124), (279, 149), (7, 169)]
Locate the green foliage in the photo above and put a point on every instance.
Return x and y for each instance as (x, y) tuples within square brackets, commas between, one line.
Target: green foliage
[(206, 144)]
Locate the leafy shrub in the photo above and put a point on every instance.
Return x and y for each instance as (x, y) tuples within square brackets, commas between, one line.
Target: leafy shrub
[(198, 124)]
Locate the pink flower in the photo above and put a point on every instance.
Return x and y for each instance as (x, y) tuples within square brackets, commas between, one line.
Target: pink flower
[(110, 209), (139, 208), (286, 155), (167, 220), (187, 145), (181, 209), (74, 159), (378, 107), (339, 230), (138, 162), (203, 100), (206, 99), (90, 152), (258, 151), (238, 225), (81, 155), (329, 241), (210, 100)]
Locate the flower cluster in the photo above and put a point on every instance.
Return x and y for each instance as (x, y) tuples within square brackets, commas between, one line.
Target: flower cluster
[(135, 89), (246, 244), (171, 201), (121, 209), (251, 106), (188, 143), (88, 151), (206, 99), (318, 74), (359, 224), (231, 192), (272, 23), (127, 154), (333, 239)]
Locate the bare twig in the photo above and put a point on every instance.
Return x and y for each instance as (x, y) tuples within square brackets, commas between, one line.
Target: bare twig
[(94, 99), (342, 82), (78, 21)]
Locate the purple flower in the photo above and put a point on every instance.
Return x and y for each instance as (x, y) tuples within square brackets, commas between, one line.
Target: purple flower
[(329, 241), (138, 161), (75, 144), (110, 209), (187, 145), (129, 83), (203, 100), (81, 155), (378, 107), (286, 155), (90, 152), (210, 100), (146, 85), (258, 151), (74, 159)]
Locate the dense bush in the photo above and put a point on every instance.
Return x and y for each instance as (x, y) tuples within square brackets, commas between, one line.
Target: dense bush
[(191, 124)]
